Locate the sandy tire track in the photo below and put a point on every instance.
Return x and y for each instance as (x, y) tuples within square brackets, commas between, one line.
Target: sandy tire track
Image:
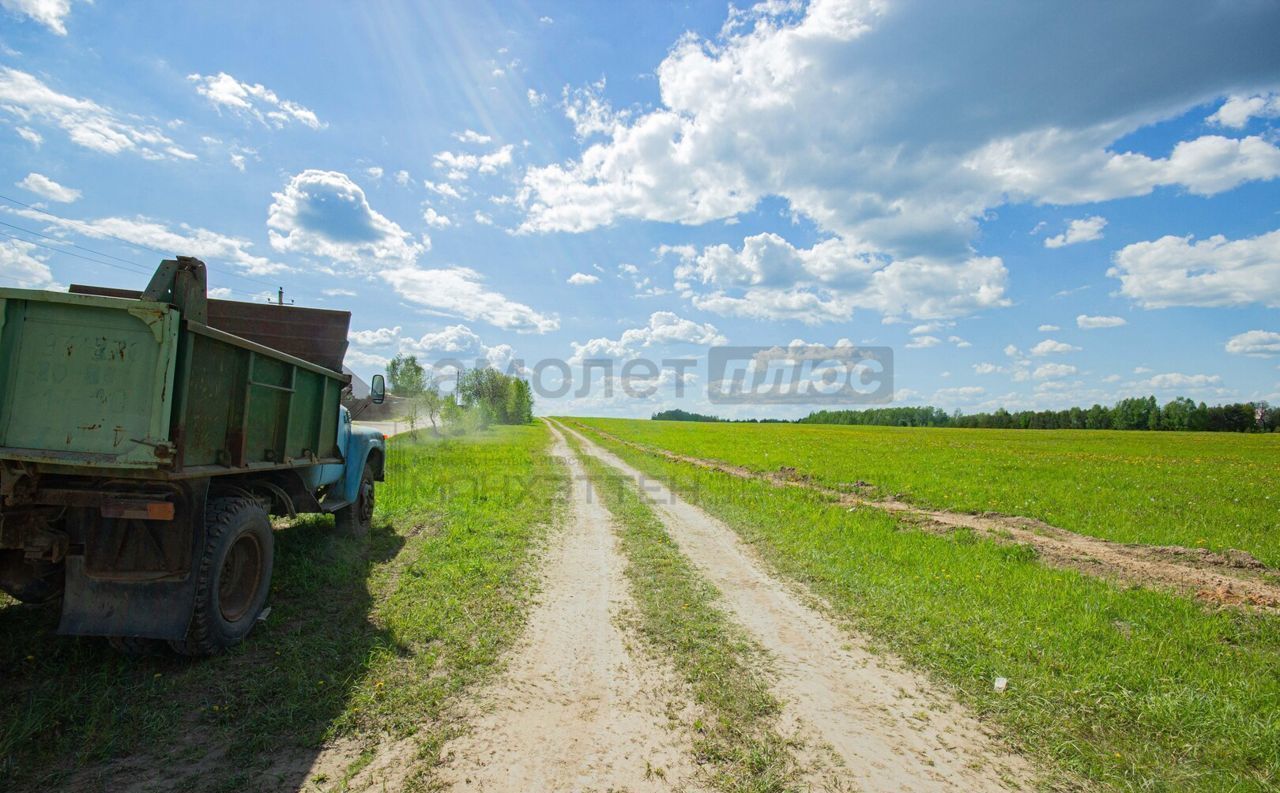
[(891, 729), (577, 707)]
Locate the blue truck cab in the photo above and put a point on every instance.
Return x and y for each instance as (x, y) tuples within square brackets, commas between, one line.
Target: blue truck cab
[(349, 486)]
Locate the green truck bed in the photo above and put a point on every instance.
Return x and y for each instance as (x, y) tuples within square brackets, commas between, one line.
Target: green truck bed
[(131, 385)]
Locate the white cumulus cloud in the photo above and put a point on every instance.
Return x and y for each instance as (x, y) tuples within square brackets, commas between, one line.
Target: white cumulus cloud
[(471, 136), (664, 327), (857, 115), (1172, 380), (582, 279), (461, 165), (1255, 343), (1082, 230), (45, 187), (85, 122), (377, 337), (1053, 371), (443, 189), (1051, 347), (1238, 110), (1087, 322), (182, 239), (441, 351), (461, 292), (1175, 271), (436, 220), (922, 342), (324, 213), (253, 100), (769, 278), (588, 110), (958, 395), (30, 136), (23, 265), (50, 13)]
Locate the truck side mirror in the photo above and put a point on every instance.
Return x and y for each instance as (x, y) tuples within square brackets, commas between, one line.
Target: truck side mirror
[(378, 389)]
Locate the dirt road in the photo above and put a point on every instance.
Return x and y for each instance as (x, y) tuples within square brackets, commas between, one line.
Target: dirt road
[(580, 706), (888, 728)]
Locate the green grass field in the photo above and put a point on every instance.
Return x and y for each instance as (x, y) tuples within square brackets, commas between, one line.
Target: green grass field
[(1214, 490), (366, 637), (1124, 688)]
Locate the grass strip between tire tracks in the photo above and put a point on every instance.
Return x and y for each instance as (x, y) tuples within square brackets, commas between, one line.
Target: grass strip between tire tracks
[(679, 617)]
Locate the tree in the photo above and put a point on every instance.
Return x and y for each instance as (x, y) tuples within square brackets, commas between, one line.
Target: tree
[(408, 381), (519, 402), (489, 396), (407, 377), (432, 402), (1177, 414)]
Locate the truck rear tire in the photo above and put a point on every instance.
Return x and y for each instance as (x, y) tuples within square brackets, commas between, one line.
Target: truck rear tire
[(356, 518), (234, 576)]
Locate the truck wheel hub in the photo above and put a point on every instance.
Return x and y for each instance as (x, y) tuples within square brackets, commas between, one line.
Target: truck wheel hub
[(240, 578)]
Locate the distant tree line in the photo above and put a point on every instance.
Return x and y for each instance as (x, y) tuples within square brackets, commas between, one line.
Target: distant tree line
[(1136, 413), (676, 414), (482, 397)]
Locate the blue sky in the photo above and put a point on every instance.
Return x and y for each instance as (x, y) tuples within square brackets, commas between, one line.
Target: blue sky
[(1035, 206)]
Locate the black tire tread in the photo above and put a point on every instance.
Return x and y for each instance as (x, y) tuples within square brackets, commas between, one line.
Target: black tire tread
[(347, 519), (220, 517)]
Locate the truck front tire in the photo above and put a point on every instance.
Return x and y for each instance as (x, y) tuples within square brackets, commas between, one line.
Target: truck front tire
[(234, 576), (356, 518)]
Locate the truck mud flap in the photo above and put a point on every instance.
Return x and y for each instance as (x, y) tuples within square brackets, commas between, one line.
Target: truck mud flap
[(135, 578), (147, 609)]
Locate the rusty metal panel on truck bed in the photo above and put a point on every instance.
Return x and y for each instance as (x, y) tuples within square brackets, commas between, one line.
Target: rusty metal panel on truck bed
[(85, 380), (318, 335)]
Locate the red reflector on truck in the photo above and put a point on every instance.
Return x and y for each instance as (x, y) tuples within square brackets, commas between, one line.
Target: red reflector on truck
[(160, 510), (137, 509)]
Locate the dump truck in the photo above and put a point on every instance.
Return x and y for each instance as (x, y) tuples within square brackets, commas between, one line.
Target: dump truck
[(146, 439)]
